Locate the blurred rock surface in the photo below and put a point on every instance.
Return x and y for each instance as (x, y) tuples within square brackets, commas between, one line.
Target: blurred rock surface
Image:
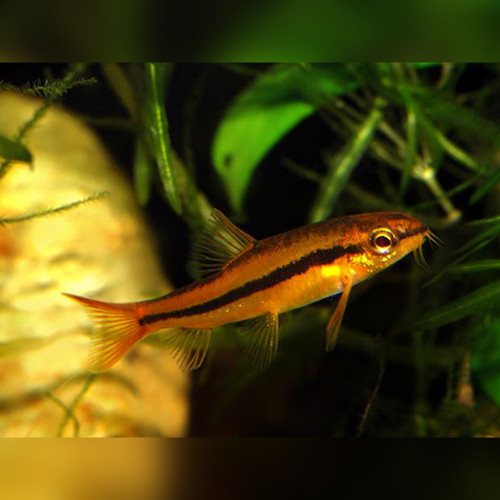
[(102, 249)]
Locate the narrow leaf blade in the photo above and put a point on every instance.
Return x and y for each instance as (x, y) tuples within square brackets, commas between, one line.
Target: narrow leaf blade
[(476, 266), (342, 166), (157, 129), (483, 189), (481, 299)]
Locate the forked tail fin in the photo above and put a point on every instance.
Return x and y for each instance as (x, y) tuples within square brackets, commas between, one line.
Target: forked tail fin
[(117, 330)]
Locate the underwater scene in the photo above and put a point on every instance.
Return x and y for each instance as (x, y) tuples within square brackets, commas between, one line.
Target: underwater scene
[(250, 250)]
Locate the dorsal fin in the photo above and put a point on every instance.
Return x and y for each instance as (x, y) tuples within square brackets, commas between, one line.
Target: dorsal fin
[(218, 245)]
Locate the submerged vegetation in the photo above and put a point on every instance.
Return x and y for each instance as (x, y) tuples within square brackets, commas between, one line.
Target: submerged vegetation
[(275, 146)]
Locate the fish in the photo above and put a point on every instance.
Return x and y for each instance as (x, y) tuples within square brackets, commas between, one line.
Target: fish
[(251, 282)]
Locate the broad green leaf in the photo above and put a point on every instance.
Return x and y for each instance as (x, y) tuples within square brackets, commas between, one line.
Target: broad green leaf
[(13, 150), (271, 106), (480, 300), (486, 357)]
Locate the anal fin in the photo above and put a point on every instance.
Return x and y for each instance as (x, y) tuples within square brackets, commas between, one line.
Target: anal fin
[(261, 336), (188, 346), (333, 327)]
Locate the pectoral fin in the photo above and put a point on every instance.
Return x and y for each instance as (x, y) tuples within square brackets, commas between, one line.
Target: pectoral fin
[(333, 327), (261, 336)]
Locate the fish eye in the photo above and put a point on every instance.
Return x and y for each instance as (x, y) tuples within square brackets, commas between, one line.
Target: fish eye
[(383, 240)]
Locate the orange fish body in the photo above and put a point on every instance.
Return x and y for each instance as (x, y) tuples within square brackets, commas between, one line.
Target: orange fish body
[(257, 280)]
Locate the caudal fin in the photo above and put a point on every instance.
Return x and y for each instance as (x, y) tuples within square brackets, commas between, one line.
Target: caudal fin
[(117, 330)]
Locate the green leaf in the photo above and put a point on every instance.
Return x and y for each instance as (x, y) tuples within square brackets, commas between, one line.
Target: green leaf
[(459, 117), (467, 250), (486, 358), (411, 149), (425, 64), (157, 131), (476, 243), (117, 79), (270, 107), (342, 166), (476, 266), (13, 150), (488, 220), (485, 187), (480, 300), (438, 137)]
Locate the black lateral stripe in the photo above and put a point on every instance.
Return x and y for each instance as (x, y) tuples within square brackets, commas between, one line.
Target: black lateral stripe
[(317, 258)]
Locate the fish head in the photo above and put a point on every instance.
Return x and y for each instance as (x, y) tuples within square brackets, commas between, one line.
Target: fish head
[(384, 238)]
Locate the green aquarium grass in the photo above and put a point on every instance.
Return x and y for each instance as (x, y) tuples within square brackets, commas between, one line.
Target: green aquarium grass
[(275, 146)]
